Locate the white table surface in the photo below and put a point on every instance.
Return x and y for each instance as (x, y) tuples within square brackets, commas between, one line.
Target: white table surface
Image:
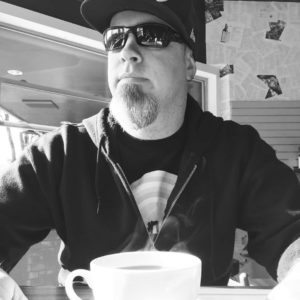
[(234, 293)]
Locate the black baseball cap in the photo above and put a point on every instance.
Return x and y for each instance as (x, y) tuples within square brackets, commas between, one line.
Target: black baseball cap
[(176, 13)]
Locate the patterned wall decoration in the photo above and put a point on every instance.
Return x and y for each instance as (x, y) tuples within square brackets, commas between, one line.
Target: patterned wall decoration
[(260, 41)]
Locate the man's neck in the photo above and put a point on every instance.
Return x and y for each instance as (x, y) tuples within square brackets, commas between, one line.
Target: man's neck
[(162, 127)]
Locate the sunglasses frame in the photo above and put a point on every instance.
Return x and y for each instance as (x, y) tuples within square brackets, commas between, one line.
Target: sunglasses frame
[(170, 35)]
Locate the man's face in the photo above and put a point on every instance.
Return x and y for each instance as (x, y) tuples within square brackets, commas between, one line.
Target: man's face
[(146, 83)]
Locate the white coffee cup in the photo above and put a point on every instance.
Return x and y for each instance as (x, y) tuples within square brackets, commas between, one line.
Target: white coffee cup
[(141, 275)]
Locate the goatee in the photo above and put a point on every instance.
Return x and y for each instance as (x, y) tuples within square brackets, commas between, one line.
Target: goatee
[(131, 104)]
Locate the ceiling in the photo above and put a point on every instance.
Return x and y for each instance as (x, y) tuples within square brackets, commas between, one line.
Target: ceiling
[(62, 60), (67, 10), (62, 80)]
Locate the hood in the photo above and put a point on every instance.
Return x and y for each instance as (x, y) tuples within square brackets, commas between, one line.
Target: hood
[(202, 127), (102, 130)]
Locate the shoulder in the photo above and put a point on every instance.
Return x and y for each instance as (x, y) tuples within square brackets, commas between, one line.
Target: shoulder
[(66, 133), (236, 138), (66, 139), (226, 129), (240, 131)]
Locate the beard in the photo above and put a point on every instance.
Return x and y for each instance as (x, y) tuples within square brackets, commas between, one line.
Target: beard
[(131, 104)]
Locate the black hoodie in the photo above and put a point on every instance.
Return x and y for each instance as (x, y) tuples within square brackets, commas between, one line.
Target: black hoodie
[(229, 178)]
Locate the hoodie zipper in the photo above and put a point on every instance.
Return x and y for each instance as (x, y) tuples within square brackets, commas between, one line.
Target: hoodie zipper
[(176, 199), (127, 187)]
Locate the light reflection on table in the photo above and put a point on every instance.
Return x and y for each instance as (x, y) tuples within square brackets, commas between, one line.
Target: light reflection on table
[(233, 293), (206, 293)]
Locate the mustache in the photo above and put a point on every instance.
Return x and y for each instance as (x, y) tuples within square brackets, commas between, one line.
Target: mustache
[(130, 75)]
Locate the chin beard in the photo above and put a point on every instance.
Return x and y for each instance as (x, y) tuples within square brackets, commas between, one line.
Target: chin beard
[(131, 105)]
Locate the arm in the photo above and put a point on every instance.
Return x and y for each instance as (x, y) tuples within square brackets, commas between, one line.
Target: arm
[(270, 194), (24, 216), (270, 207), (27, 189)]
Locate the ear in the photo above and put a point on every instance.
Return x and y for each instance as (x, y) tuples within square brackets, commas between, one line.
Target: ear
[(190, 64)]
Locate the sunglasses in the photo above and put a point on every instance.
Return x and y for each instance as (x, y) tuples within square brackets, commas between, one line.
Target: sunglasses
[(153, 35)]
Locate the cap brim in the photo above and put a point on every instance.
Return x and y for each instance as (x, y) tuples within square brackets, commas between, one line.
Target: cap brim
[(98, 13)]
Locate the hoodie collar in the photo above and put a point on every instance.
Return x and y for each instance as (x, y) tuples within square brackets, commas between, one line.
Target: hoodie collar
[(202, 127), (101, 129)]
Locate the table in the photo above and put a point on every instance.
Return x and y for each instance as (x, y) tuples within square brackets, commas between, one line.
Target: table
[(233, 293), (54, 293), (206, 293)]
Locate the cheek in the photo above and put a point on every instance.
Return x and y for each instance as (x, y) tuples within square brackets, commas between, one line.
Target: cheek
[(169, 73), (112, 73)]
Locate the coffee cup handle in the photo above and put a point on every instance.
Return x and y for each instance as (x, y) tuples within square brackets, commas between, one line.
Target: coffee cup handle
[(69, 282)]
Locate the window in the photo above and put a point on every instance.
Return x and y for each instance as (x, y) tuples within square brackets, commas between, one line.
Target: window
[(14, 136)]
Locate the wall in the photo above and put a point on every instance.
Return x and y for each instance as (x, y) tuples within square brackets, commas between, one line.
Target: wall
[(251, 53), (39, 266), (258, 56), (278, 123), (262, 64)]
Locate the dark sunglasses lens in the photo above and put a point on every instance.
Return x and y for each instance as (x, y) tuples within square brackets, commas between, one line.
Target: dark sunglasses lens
[(148, 35), (114, 39), (152, 36)]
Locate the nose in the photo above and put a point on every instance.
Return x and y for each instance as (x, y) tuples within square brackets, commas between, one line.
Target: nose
[(131, 50)]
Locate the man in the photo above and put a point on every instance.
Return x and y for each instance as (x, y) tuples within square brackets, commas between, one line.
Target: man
[(153, 171)]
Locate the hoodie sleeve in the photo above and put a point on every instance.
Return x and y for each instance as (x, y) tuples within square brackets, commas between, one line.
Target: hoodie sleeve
[(26, 188), (270, 204)]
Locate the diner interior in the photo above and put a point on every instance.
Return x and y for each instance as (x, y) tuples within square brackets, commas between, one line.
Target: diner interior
[(53, 70)]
